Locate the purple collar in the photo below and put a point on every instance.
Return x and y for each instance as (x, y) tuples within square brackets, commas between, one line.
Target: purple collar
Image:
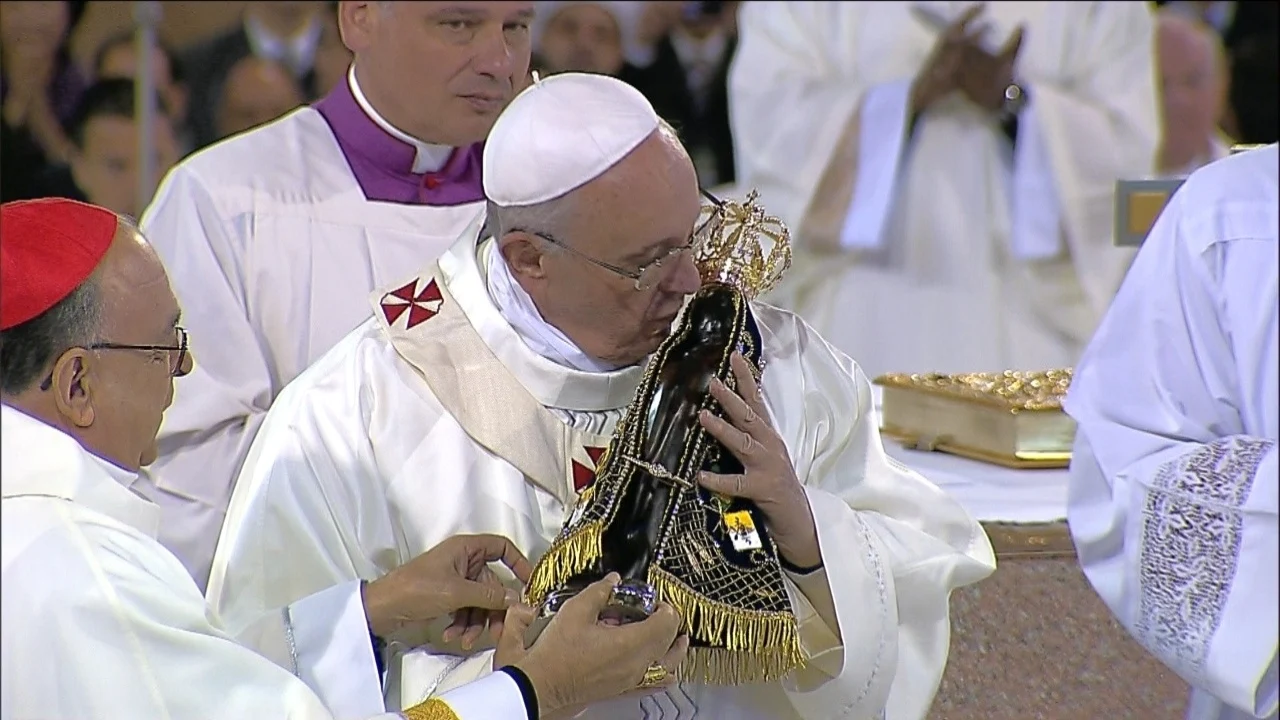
[(383, 165)]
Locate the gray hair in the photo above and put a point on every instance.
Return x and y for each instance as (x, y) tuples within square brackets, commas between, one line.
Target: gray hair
[(668, 133), (27, 349), (546, 217)]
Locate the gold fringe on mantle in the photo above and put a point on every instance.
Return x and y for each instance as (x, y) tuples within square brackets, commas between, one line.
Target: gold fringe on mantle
[(749, 646), (717, 666), (566, 557)]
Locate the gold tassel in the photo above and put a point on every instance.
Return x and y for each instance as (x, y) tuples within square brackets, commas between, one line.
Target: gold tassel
[(717, 666), (566, 557), (748, 646)]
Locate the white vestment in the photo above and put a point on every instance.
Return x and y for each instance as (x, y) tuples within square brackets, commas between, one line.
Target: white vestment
[(273, 239), (1218, 149), (1173, 497), (948, 248), (101, 622), (436, 418)]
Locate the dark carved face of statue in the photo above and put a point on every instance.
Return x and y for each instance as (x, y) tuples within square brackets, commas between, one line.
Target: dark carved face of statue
[(714, 310), (705, 332)]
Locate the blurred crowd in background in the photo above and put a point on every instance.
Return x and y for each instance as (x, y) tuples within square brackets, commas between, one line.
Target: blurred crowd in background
[(68, 71)]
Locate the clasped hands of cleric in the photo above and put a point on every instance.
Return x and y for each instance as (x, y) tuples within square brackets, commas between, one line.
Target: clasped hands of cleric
[(768, 479), (958, 61)]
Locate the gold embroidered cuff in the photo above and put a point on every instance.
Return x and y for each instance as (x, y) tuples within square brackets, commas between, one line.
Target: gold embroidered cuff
[(433, 709)]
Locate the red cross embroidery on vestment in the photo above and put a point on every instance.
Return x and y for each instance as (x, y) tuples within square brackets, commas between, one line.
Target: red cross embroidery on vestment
[(421, 306), (583, 476)]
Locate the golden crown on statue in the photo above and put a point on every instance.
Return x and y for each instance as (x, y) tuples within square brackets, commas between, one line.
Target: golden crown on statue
[(741, 246)]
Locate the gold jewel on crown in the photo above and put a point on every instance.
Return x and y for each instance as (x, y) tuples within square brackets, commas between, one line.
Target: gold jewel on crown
[(742, 247)]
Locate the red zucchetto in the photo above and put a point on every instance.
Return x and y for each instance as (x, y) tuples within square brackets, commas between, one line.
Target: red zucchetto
[(48, 247)]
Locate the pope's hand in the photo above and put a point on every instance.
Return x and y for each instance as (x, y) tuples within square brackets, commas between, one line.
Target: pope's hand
[(768, 479), (578, 659), (452, 578)]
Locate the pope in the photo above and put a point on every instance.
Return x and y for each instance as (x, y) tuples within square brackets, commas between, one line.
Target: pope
[(481, 392)]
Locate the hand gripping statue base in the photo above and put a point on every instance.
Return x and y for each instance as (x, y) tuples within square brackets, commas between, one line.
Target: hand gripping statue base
[(645, 517)]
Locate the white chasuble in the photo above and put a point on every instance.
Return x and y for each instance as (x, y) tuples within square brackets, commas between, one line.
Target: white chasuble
[(1174, 497), (434, 418), (945, 246), (273, 240), (101, 621)]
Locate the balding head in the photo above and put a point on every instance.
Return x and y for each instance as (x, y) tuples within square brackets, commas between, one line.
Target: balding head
[(1194, 82), (256, 91), (100, 364), (1179, 36)]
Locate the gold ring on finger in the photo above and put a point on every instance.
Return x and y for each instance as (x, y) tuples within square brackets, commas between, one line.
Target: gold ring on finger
[(655, 676)]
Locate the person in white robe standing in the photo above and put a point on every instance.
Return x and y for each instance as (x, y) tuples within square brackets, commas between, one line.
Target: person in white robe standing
[(948, 169), (100, 621), (1174, 490), (274, 237), (482, 392), (1194, 80)]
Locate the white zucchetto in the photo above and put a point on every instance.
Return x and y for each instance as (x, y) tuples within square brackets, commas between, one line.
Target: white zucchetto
[(561, 133)]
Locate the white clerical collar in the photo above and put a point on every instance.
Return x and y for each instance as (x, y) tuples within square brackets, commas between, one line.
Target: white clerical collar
[(517, 308), (429, 158), (1217, 150), (551, 383), (125, 477), (39, 460), (298, 53)]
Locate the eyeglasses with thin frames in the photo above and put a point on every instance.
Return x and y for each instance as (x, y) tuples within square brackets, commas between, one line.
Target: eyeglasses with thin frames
[(177, 354), (650, 274)]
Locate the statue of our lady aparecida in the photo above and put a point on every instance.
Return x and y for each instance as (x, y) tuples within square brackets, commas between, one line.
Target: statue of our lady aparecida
[(645, 517)]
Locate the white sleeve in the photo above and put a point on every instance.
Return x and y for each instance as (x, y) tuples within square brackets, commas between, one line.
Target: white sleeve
[(296, 500), (1173, 503), (124, 633), (216, 408), (334, 650), (1098, 124), (882, 137), (493, 697), (894, 547), (1037, 212), (791, 104), (120, 631), (324, 640), (426, 672)]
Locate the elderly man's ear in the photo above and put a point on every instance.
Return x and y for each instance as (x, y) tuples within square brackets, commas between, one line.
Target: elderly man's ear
[(73, 387), (523, 255)]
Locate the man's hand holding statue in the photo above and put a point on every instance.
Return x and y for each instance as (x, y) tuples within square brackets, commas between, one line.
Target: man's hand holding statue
[(456, 578), (768, 478)]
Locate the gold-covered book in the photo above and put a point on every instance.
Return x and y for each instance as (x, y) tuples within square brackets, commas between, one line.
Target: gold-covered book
[(1014, 418)]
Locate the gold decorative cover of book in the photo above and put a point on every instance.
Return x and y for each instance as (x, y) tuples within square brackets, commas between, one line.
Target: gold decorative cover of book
[(1014, 418)]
